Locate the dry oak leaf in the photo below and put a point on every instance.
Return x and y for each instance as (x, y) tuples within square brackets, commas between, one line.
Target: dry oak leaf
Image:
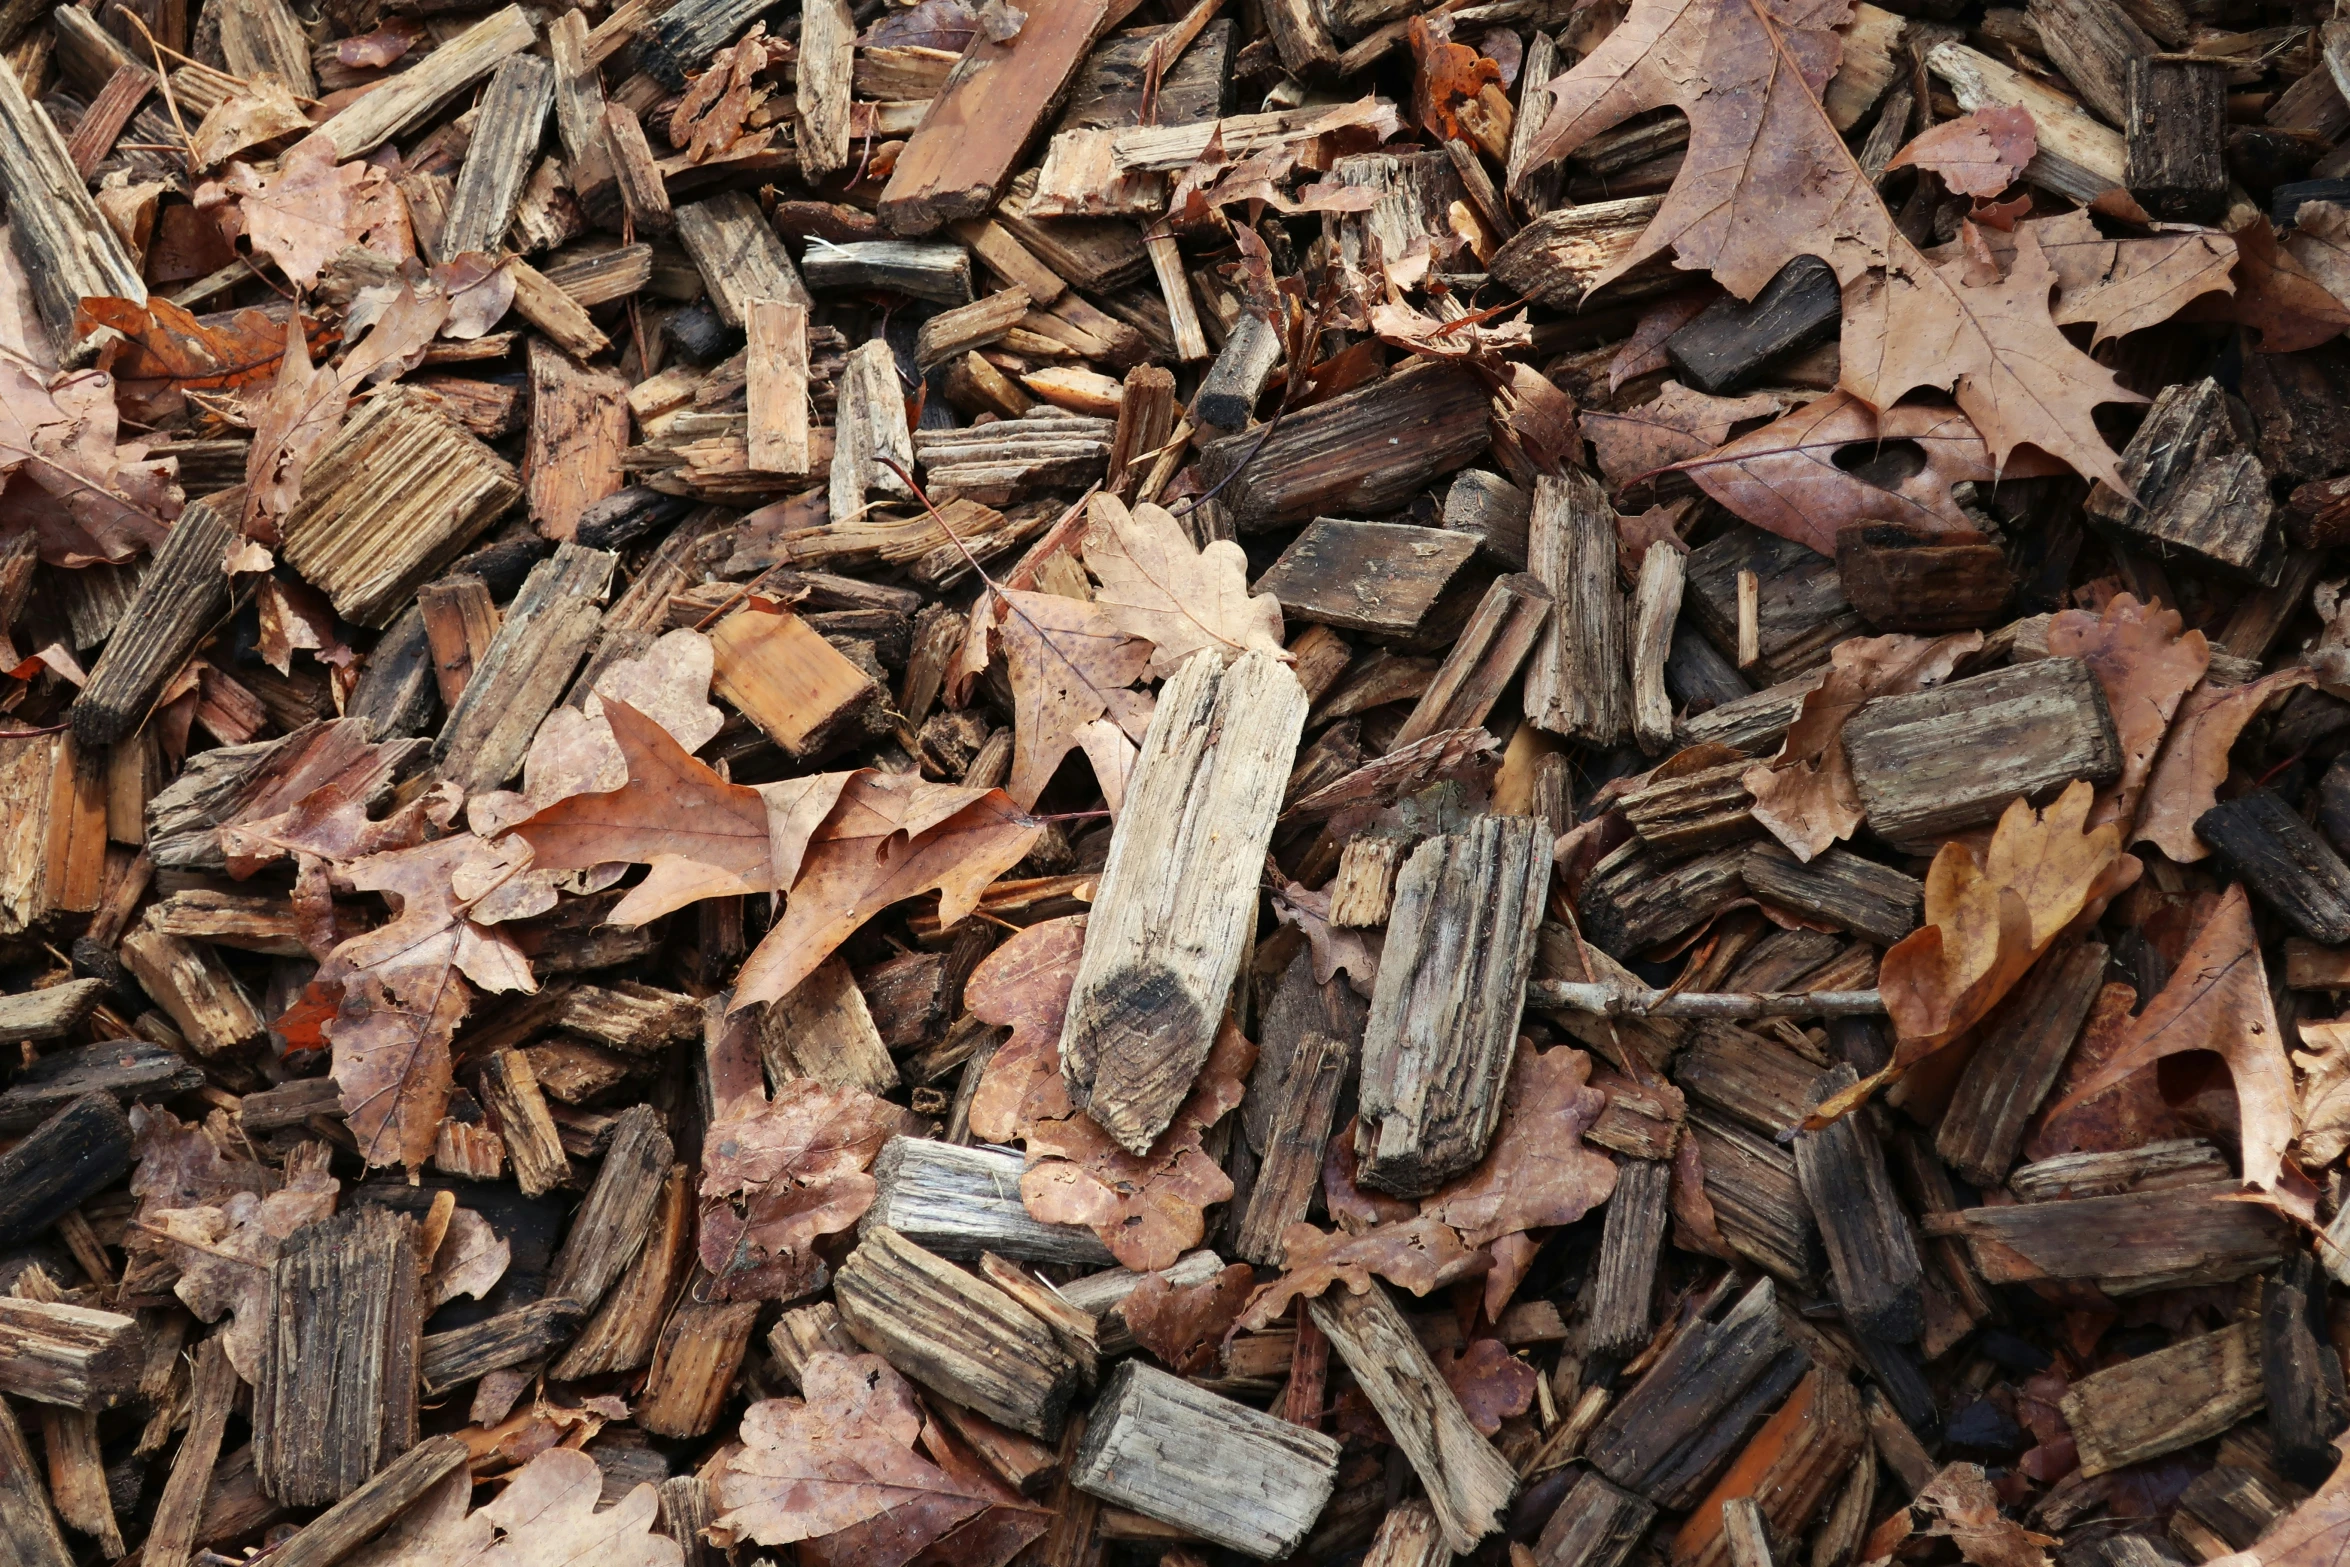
[(179, 1164), (841, 1474), (1185, 1326), (2121, 285), (545, 1517), (471, 1259), (1418, 1254), (263, 110), (1024, 986), (702, 836), (1333, 947), (162, 351), (1353, 1206), (1491, 1383), (2278, 295), (1070, 663), (2194, 759), (1673, 426), (1154, 585), (1978, 154), (2145, 666), (2218, 999), (1149, 1209), (87, 496), (1767, 178), (1643, 352), (1536, 1173), (889, 838), (224, 1250), (306, 212), (1785, 478), (1988, 921), (1966, 1510), (1805, 796), (782, 1176), (2130, 1114), (2323, 1064)]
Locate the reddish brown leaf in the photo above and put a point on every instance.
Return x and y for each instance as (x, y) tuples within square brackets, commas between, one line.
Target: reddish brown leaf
[(1070, 664), (547, 1516), (1024, 986), (1979, 154), (1491, 1383), (2130, 1114), (1448, 75), (1185, 1326), (1675, 425), (2278, 296), (787, 1173), (310, 208), (1418, 1254), (1333, 947), (1536, 1172), (164, 351), (86, 495), (2194, 759), (2144, 666)]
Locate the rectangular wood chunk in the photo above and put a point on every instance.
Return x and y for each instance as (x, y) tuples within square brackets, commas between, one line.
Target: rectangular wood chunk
[(2170, 1399), (337, 1397), (1363, 451), (1376, 577)]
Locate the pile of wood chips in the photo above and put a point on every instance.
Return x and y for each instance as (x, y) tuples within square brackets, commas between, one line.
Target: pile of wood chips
[(1130, 783)]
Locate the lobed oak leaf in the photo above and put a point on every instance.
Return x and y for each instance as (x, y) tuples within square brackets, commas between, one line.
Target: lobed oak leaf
[(1353, 1206), (2218, 1000), (1536, 1172), (1804, 796), (1024, 986), (1149, 1209), (2130, 1114), (2145, 666), (1675, 425), (1643, 352), (2194, 759), (2323, 1112), (163, 351), (1767, 178), (787, 1173), (1070, 664), (1333, 948), (1156, 586), (305, 213), (223, 1250), (2121, 285), (1491, 1383), (1185, 1325), (545, 1517), (839, 1473), (1978, 154), (1418, 1254), (890, 838), (262, 110), (1785, 478), (87, 496), (2279, 295)]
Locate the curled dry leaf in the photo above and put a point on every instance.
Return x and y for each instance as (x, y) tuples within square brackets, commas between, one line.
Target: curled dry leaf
[(1673, 426), (293, 614), (163, 351), (2194, 761), (1805, 796), (1978, 154), (224, 1250), (2145, 666), (1152, 1208), (545, 1517), (842, 1474), (1024, 986), (2218, 1000), (472, 1258), (1536, 1172), (1334, 948), (1156, 586), (1184, 1326), (1491, 1383), (784, 1175), (1418, 1254), (262, 110)]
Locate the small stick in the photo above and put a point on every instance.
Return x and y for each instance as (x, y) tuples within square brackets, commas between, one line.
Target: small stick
[(1730, 1005), (1749, 620)]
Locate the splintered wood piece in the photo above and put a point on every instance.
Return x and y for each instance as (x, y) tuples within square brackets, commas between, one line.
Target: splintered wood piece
[(1468, 1483), (1214, 1468), (828, 36), (644, 198), (1631, 1245), (1146, 424), (1310, 1035), (74, 1154), (777, 365), (510, 1092), (390, 502), (960, 1202), (786, 678), (741, 261), (693, 1371), (547, 630), (1377, 577), (1227, 397), (1177, 900), (264, 37), (1732, 1361), (975, 325), (509, 121), (67, 1355), (1444, 1011), (1578, 685), (212, 1398), (623, 1333), (28, 1524), (955, 1333), (1363, 890), (2201, 495), (1368, 450), (2016, 1064), (578, 429), (1483, 660), (614, 1220), (1656, 610), (1745, 1538), (1795, 612), (337, 1396), (1873, 1264), (1409, 1536), (2284, 861), (1785, 1472), (2167, 1400), (1596, 1526), (1491, 510), (1935, 762), (181, 598), (2177, 127), (67, 247), (940, 273), (49, 1013), (402, 102), (579, 119), (361, 1515), (190, 982), (460, 621), (2302, 1374), (869, 425), (2129, 1243), (824, 1029), (1632, 903), (127, 1070), (448, 1361), (988, 112)]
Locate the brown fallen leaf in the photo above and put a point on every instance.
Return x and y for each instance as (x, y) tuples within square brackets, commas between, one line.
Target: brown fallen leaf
[(841, 1474), (1804, 796), (1069, 664), (2278, 295), (1185, 1326), (1978, 154), (1491, 1383), (1354, 1207), (223, 1250), (2323, 1110), (2130, 1114), (1785, 477), (2145, 666), (545, 1517), (1024, 986), (1446, 75), (1768, 178), (182, 1164), (2119, 285), (471, 1260), (310, 208), (87, 496), (1418, 1254), (261, 110), (163, 351), (1965, 1509), (889, 838), (2218, 1000), (1156, 586), (294, 615), (2194, 759), (1675, 425), (1643, 352), (1695, 1227), (777, 1179), (1152, 1208), (1334, 948), (1536, 1172)]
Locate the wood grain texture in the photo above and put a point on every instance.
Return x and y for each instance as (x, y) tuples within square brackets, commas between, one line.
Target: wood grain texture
[(1578, 685), (2172, 1398), (1873, 1264), (337, 1397), (960, 1201)]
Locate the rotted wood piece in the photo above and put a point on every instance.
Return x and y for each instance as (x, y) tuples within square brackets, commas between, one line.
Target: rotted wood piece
[(1873, 1264), (547, 630), (694, 1366), (182, 596), (935, 272), (1178, 895), (1784, 1474), (2177, 129), (2301, 1371), (2129, 1243), (1596, 1526), (1310, 1035), (1729, 344), (68, 249), (73, 1155), (448, 1361), (1214, 1468), (72, 1357), (28, 1523), (337, 1396), (1631, 1245), (2017, 1063), (51, 1012), (1906, 579), (360, 1516), (1849, 891), (1578, 685), (1444, 1011), (2173, 1398), (124, 1069), (2284, 861), (509, 123), (1799, 614), (1364, 451), (1484, 659), (681, 39), (614, 1220), (1610, 1000), (1491, 510), (1631, 902)]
